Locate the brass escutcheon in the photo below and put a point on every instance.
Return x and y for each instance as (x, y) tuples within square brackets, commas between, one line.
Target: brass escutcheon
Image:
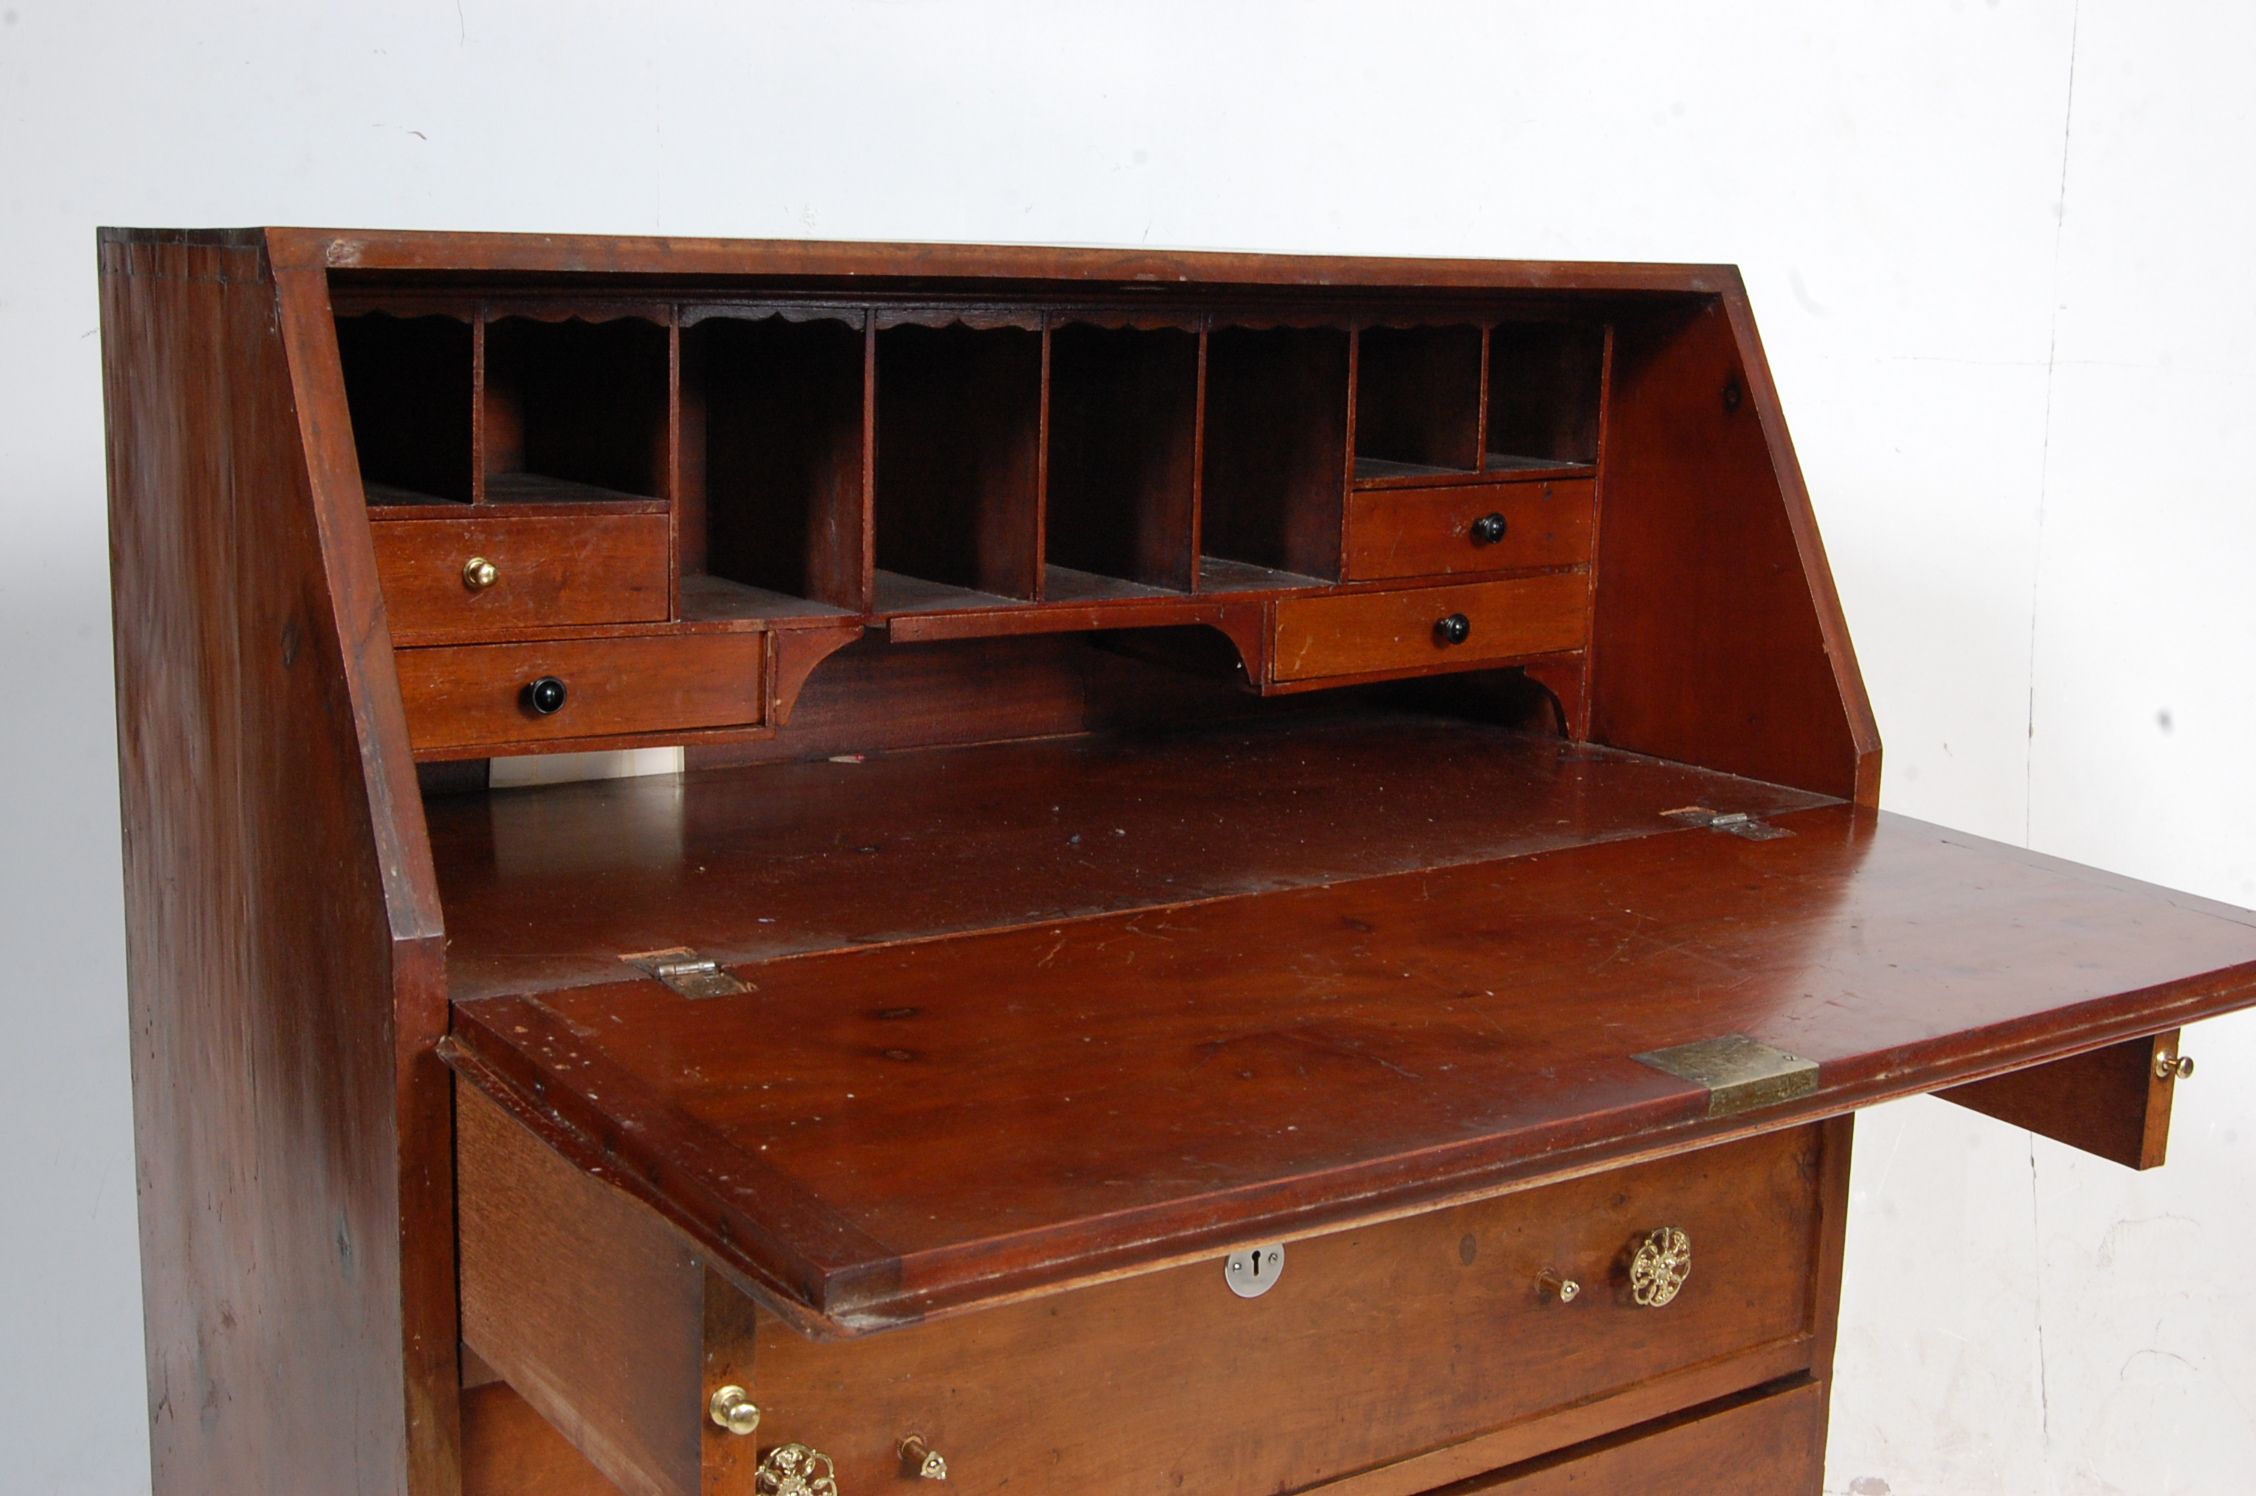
[(478, 574), (796, 1470), (1662, 1263)]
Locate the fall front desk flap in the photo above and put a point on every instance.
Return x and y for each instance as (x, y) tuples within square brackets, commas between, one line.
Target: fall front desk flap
[(1142, 1041)]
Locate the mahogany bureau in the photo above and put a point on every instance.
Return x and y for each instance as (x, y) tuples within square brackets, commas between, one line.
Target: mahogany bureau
[(1275, 886)]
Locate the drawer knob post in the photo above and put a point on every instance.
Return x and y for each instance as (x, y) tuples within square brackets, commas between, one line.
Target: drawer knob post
[(478, 574), (1662, 1263), (733, 1409), (1488, 529), (546, 696), (1567, 1290), (2173, 1066), (1455, 629), (922, 1460), (796, 1470)]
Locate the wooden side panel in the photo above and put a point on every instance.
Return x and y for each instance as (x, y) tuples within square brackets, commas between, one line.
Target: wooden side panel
[(1763, 1445), (2108, 1102), (282, 931), (1717, 638)]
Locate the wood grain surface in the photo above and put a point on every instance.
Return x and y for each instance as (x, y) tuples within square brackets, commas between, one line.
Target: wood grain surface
[(789, 858), (1717, 636), (1375, 1345), (473, 696), (282, 934), (1763, 1444), (1349, 1050), (551, 570), (1427, 532), (1371, 633), (2108, 1102), (1166, 1379)]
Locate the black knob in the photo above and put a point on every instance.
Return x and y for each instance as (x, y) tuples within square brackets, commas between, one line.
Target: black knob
[(1488, 529), (545, 696), (1455, 629)]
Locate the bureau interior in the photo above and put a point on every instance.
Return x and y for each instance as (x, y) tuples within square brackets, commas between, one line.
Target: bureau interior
[(975, 454)]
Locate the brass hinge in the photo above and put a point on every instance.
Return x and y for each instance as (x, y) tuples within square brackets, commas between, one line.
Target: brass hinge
[(1740, 1073), (1737, 822), (687, 972)]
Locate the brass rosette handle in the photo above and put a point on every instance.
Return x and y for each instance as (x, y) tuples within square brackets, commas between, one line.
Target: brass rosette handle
[(796, 1470), (1662, 1263)]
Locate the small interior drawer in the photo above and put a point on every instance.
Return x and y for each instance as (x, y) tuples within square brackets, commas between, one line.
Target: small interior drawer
[(1471, 527), (546, 570), (1376, 1345), (1406, 632), (482, 696)]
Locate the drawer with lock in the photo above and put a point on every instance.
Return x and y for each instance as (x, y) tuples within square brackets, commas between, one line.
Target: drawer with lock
[(1468, 527), (494, 697), (476, 575), (1416, 630), (1391, 1358)]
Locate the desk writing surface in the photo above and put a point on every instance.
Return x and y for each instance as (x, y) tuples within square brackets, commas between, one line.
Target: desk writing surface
[(880, 1132), (547, 887)]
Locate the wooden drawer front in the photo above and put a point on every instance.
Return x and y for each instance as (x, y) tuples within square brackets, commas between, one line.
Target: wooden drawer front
[(1768, 1444), (474, 695), (1369, 633), (1431, 532), (548, 571), (1375, 1344)]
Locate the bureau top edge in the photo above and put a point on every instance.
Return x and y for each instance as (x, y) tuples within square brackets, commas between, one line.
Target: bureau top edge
[(359, 251)]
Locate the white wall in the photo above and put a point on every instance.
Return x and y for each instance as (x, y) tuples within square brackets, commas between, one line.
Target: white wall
[(1999, 252)]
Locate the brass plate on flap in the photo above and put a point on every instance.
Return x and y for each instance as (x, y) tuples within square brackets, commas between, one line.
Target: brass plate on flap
[(1740, 1073), (687, 972)]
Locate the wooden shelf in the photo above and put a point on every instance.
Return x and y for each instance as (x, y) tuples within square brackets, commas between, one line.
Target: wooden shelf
[(1219, 575), (707, 599), (516, 489), (897, 594), (1520, 467), (1368, 469)]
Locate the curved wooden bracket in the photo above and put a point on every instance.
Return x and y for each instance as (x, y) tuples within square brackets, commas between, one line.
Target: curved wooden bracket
[(793, 655)]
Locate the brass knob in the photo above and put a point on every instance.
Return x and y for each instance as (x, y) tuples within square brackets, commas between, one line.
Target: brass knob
[(733, 1409), (1566, 1289), (1662, 1263), (478, 574), (796, 1470), (922, 1460), (2172, 1067)]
